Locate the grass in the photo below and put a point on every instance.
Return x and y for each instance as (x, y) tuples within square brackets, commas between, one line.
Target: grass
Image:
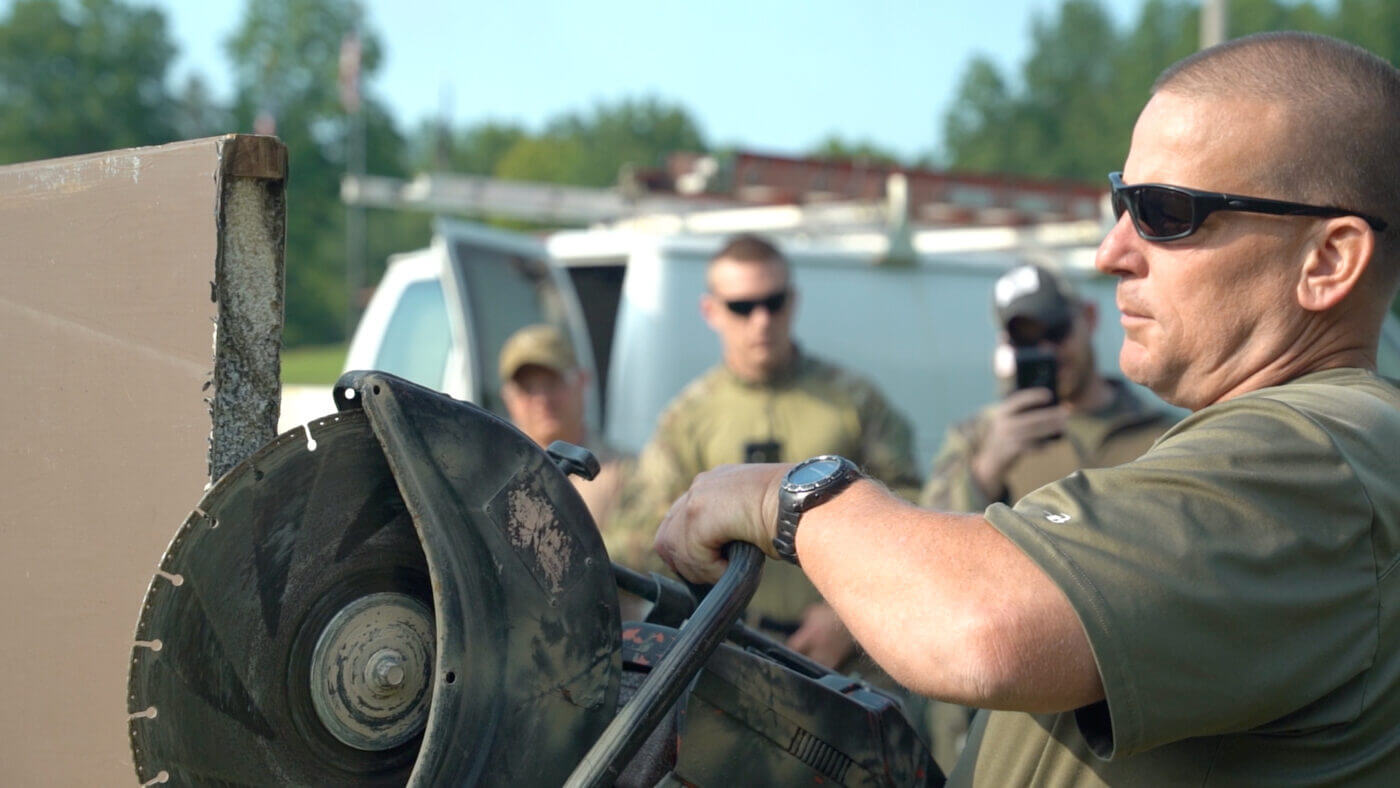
[(318, 364)]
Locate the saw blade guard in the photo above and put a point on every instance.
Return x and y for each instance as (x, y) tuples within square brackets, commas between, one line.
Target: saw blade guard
[(408, 590)]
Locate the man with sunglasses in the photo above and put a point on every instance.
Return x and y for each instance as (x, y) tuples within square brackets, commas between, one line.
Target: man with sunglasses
[(767, 401), (1225, 609)]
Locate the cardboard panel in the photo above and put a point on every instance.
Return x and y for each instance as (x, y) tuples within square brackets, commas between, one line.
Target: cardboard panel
[(108, 311)]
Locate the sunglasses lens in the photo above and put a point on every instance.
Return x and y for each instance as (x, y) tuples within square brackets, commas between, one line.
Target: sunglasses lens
[(773, 303), (741, 308), (1163, 213), (1028, 332)]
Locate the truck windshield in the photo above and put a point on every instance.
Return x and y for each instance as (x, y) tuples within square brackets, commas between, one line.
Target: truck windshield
[(417, 338)]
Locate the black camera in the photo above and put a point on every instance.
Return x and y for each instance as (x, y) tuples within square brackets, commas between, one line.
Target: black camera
[(1037, 368), (763, 451)]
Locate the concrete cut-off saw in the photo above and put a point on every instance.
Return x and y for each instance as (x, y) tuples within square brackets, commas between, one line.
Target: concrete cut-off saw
[(410, 591)]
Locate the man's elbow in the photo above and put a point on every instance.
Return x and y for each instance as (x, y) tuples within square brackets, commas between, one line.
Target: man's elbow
[(1001, 661), (962, 660)]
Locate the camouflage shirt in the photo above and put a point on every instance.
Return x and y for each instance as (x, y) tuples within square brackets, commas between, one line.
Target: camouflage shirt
[(1113, 435), (811, 408)]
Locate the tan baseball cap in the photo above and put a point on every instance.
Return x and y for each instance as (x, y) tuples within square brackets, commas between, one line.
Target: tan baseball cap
[(541, 344)]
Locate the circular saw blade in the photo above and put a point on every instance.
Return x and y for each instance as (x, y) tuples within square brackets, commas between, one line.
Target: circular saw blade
[(222, 672)]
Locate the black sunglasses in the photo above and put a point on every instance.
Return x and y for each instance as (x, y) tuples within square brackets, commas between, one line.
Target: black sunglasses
[(744, 307), (1028, 332), (1166, 213)]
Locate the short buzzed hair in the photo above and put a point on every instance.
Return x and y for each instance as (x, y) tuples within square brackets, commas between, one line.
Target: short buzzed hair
[(750, 248), (1344, 108)]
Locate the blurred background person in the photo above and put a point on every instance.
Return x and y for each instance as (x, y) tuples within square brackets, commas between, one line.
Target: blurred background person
[(766, 401), (1039, 433), (543, 388)]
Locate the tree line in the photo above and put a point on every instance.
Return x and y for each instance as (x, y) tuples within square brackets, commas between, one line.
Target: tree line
[(78, 76)]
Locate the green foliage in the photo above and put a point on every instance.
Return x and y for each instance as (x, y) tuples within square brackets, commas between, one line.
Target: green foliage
[(475, 150), (286, 55), (834, 146), (197, 114), (591, 148), (82, 77), (976, 130), (580, 148), (1067, 115), (1374, 24), (547, 159), (1071, 113), (313, 364)]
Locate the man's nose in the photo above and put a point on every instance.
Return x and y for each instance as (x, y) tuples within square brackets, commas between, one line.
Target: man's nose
[(761, 315), (1118, 254)]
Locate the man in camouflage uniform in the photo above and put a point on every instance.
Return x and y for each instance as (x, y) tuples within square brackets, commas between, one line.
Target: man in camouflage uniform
[(1019, 444), (1225, 609), (766, 402)]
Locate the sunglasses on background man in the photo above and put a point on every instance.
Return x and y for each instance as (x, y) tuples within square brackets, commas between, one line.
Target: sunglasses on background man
[(1167, 213), (1029, 332), (744, 307)]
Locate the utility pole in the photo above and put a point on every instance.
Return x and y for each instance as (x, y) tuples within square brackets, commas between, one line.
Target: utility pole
[(355, 143), (1215, 21)]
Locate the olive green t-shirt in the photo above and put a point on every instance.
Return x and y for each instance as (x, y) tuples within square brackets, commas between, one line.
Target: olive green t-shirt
[(1238, 586)]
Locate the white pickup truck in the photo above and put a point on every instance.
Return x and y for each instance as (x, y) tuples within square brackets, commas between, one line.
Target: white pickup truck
[(628, 296)]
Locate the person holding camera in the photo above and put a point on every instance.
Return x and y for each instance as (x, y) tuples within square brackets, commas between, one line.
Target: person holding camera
[(1059, 414)]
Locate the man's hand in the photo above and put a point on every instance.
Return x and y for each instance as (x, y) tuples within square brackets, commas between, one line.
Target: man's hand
[(1017, 423), (732, 503), (822, 636)]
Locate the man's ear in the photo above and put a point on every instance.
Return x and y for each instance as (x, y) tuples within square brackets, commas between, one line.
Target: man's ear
[(1338, 258), (709, 306)]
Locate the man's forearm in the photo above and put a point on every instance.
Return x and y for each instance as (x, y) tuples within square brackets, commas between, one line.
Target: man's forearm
[(947, 604)]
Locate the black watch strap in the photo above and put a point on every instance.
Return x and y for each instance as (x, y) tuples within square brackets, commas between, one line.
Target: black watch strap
[(785, 540), (798, 494)]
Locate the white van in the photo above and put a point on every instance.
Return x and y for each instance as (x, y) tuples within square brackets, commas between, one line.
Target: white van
[(629, 296)]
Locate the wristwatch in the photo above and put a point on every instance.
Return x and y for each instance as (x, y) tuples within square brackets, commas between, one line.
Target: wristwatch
[(809, 483)]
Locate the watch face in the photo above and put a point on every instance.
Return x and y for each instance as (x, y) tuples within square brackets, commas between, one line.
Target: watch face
[(813, 472)]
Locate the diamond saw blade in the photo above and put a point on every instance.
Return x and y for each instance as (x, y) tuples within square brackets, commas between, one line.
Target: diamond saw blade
[(288, 637)]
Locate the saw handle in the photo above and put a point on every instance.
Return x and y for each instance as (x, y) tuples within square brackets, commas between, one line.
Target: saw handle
[(696, 641)]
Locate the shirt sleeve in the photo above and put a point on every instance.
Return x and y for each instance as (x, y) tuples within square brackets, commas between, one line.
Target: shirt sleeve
[(1226, 580)]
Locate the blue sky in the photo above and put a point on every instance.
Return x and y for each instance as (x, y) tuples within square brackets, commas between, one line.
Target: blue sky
[(773, 76)]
